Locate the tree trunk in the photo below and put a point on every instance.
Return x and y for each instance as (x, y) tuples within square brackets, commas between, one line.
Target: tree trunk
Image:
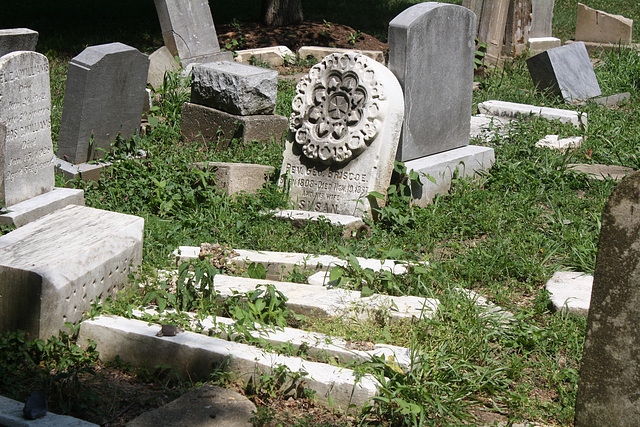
[(276, 13)]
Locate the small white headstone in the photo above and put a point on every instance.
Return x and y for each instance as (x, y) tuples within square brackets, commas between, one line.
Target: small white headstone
[(344, 131)]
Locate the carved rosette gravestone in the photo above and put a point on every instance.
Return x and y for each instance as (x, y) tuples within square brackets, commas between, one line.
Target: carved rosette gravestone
[(26, 163), (344, 131), (609, 387)]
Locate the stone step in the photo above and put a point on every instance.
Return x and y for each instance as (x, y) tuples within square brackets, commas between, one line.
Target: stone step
[(197, 355)]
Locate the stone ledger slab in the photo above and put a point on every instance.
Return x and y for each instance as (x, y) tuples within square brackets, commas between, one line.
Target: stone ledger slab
[(565, 71), (199, 122), (346, 121), (26, 159), (514, 110), (235, 178), (275, 56), (198, 355), (594, 25), (235, 88), (11, 416), (188, 31), (103, 99), (609, 380), (205, 406), (15, 39), (431, 53), (52, 269), (468, 161)]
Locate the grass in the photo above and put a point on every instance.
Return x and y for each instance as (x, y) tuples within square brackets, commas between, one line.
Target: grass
[(503, 236)]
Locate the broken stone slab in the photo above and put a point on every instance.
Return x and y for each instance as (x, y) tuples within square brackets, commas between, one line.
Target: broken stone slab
[(601, 172), (313, 300), (235, 178), (16, 39), (11, 416), (609, 101), (594, 25), (274, 56), (36, 207), (515, 111), (319, 52), (202, 123), (280, 264), (540, 44), (205, 406), (235, 88), (561, 144), (197, 355), (487, 127), (85, 171), (570, 291), (469, 161), (352, 224), (160, 62), (566, 72), (54, 268)]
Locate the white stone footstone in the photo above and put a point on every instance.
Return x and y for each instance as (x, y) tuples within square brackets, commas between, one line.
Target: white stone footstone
[(52, 269), (570, 291), (514, 110), (135, 342)]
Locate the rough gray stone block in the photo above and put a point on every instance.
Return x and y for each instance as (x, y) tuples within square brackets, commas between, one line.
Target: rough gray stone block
[(53, 269), (234, 178), (199, 123), (15, 39), (103, 99), (565, 71), (431, 53), (235, 88)]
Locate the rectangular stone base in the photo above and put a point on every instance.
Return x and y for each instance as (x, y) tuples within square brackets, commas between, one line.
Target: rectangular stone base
[(36, 207), (299, 218), (85, 171), (201, 123), (234, 178), (465, 161), (54, 268)]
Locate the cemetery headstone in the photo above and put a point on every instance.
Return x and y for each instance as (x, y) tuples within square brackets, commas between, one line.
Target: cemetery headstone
[(565, 71), (594, 25), (26, 160), (188, 31), (518, 27), (344, 129), (431, 53), (160, 62), (17, 39), (609, 380), (492, 20), (104, 98), (541, 18)]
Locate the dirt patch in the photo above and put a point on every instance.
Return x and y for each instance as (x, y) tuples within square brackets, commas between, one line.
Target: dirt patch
[(253, 35)]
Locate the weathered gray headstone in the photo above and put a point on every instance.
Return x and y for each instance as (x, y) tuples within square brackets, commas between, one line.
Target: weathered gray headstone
[(160, 62), (518, 27), (609, 377), (15, 39), (594, 25), (103, 99), (565, 71), (188, 31), (26, 162), (431, 53), (541, 18), (344, 130), (492, 18), (235, 88)]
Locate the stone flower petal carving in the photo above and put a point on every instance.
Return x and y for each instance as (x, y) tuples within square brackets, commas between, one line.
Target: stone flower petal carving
[(336, 109)]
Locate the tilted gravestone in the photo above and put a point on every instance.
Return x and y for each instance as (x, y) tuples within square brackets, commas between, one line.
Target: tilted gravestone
[(15, 39), (26, 161), (609, 378), (431, 53), (103, 99), (594, 25), (565, 71), (188, 31), (344, 130)]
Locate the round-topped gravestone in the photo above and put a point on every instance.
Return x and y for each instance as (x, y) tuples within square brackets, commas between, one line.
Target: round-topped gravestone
[(344, 131), (26, 163)]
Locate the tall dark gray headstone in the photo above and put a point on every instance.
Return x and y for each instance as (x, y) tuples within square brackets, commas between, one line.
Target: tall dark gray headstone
[(565, 71), (15, 39), (104, 97), (609, 387), (188, 31), (26, 160), (431, 53)]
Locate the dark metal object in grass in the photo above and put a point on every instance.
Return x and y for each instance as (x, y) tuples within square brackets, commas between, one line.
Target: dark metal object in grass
[(36, 405)]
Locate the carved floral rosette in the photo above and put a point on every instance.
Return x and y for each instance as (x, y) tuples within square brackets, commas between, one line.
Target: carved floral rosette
[(337, 111)]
